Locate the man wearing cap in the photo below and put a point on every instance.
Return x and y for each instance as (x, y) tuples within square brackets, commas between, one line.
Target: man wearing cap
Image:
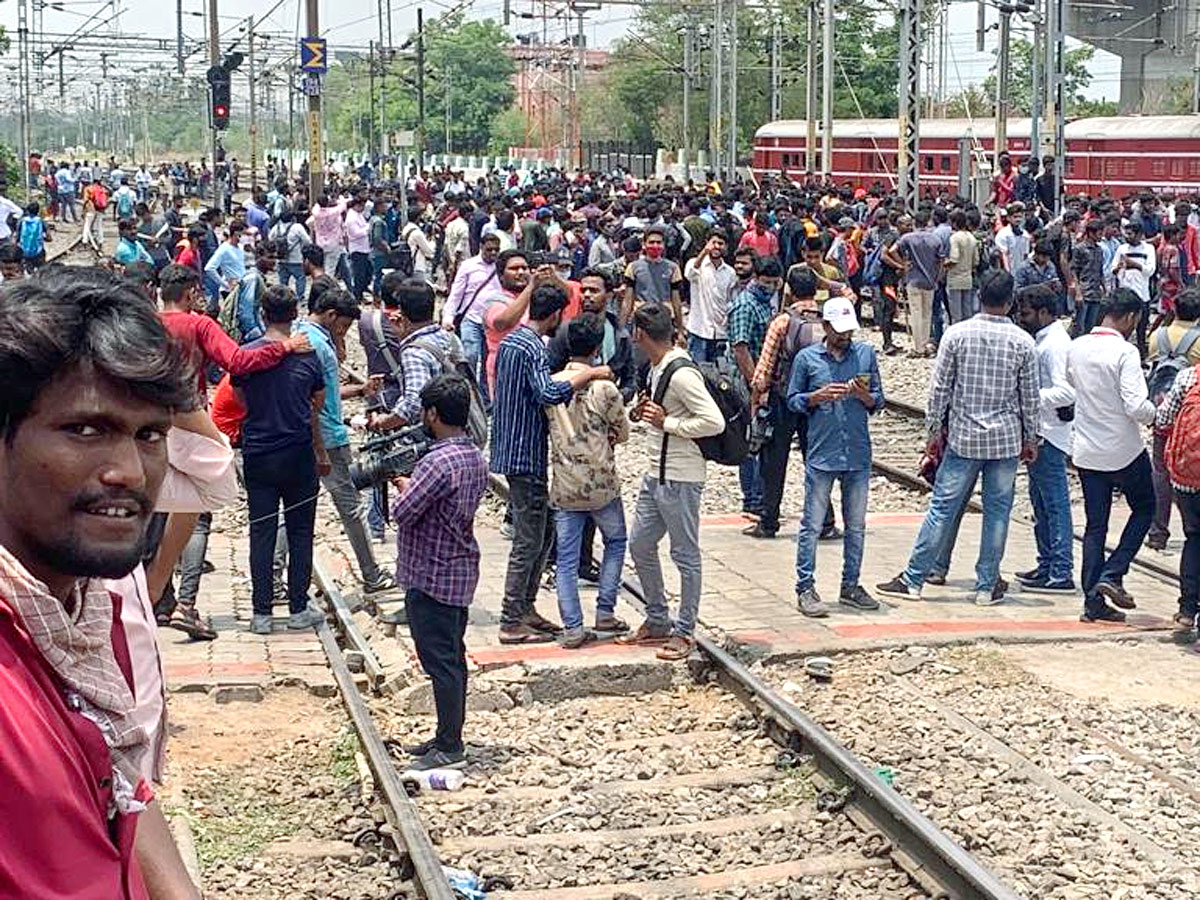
[(835, 384)]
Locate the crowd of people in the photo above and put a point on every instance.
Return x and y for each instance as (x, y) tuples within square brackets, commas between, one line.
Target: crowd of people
[(530, 325)]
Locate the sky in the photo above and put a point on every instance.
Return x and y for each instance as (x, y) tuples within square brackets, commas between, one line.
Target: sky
[(354, 23)]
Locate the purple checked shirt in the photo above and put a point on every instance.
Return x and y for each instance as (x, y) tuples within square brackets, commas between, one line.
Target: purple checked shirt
[(436, 551)]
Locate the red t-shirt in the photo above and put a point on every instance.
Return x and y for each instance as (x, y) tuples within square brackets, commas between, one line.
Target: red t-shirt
[(493, 336), (765, 244), (206, 342), (227, 411), (574, 301), (56, 774)]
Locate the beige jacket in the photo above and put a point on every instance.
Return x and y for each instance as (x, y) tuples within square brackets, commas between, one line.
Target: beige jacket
[(582, 436), (691, 414)]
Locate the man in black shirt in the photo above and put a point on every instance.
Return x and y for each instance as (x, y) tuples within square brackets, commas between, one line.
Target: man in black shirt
[(282, 455)]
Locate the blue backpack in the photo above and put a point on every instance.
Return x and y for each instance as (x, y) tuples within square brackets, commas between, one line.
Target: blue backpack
[(873, 267)]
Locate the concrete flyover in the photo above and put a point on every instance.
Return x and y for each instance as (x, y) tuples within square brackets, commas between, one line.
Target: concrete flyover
[(1154, 38)]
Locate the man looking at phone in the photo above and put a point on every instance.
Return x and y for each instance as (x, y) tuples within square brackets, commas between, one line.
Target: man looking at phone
[(835, 384)]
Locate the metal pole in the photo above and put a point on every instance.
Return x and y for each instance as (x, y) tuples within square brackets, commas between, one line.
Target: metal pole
[(24, 87), (1059, 99), (1196, 65), (714, 129), (810, 91), (371, 90), (1036, 81), (448, 148), (315, 123), (907, 168), (776, 67), (253, 111), (179, 34), (420, 89), (733, 90), (291, 83), (214, 58), (689, 37), (827, 94), (1000, 139)]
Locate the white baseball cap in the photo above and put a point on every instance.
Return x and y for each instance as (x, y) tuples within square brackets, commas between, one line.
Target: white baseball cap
[(839, 312)]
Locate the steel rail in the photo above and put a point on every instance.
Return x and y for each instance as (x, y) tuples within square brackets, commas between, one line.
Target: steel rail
[(914, 842), (412, 840), (346, 625)]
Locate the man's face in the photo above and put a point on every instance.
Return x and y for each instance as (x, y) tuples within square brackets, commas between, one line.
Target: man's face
[(11, 270), (1041, 260), (593, 294), (744, 266), (716, 249), (836, 340), (653, 245), (1030, 319), (769, 283), (1132, 236), (339, 326), (515, 275), (488, 251), (1017, 220), (79, 479), (812, 258)]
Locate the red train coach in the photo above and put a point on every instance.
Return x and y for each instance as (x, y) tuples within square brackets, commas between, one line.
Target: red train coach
[(1120, 155)]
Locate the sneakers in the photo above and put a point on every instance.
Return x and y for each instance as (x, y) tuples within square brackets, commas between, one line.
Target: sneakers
[(832, 533), (1185, 623), (439, 759), (899, 588), (1043, 585), (1103, 613), (262, 624), (994, 597), (523, 634), (309, 617), (422, 748), (538, 622), (386, 582), (937, 578), (757, 531), (506, 530), (1157, 541), (1114, 594), (1031, 575), (611, 625), (574, 638), (856, 597), (809, 602)]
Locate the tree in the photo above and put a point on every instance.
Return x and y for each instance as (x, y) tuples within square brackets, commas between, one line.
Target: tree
[(466, 64), (508, 130), (1076, 77)]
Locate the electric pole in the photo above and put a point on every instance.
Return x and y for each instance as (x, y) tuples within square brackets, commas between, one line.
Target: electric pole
[(810, 91), (316, 155), (179, 34), (827, 94), (214, 59), (1000, 137), (1036, 82), (253, 112), (689, 39), (371, 90), (1058, 98), (420, 89), (23, 79), (907, 168), (733, 91), (714, 117), (776, 67)]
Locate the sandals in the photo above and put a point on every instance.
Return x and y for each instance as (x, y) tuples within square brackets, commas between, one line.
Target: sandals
[(190, 623), (646, 634), (524, 634), (676, 648), (611, 625)]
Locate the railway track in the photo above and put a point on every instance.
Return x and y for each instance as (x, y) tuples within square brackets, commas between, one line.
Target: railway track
[(706, 787)]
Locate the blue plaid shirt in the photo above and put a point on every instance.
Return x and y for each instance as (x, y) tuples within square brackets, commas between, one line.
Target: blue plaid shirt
[(523, 386)]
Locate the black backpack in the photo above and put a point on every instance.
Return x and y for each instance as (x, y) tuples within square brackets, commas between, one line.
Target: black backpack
[(732, 445), (1170, 362)]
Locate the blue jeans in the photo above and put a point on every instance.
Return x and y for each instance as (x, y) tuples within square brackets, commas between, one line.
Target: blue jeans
[(212, 288), (705, 349), (474, 346), (610, 520), (750, 475), (818, 485), (1051, 499), (378, 261), (1137, 484), (293, 273), (955, 479)]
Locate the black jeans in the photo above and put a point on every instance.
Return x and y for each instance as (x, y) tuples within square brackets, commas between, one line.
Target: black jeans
[(1136, 483), (437, 630), (360, 274), (884, 306), (288, 475), (1189, 562), (533, 535), (773, 462)]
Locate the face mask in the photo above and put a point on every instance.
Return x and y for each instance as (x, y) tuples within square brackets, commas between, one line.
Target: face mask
[(654, 252)]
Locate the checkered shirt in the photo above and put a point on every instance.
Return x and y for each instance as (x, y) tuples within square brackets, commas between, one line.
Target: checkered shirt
[(1168, 411), (985, 387)]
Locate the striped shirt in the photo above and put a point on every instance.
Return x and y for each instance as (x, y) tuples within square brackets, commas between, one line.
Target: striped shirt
[(523, 386), (436, 550)]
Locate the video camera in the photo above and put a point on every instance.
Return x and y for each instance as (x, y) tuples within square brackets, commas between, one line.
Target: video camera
[(388, 455)]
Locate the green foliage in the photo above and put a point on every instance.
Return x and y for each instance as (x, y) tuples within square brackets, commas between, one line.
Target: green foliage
[(641, 98), (508, 130), (4, 41)]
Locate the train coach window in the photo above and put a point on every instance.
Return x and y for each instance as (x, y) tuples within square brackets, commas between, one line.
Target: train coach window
[(1194, 166), (1176, 168), (1070, 166), (1110, 167), (945, 164), (928, 163), (1130, 167), (1158, 167)]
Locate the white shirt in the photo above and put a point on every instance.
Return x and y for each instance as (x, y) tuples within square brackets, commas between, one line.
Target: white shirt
[(458, 239), (1137, 280), (8, 208), (1014, 245), (712, 291), (422, 250), (1111, 400), (1055, 392)]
